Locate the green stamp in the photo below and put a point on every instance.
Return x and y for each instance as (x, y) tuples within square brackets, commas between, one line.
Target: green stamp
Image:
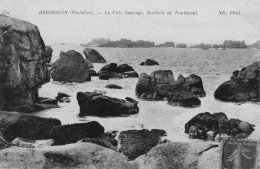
[(239, 154)]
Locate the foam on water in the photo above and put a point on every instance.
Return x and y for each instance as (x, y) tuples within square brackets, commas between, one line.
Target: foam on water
[(214, 66)]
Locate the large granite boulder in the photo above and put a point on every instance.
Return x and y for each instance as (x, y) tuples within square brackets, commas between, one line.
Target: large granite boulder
[(149, 62), (93, 56), (113, 71), (72, 133), (161, 84), (70, 156), (181, 155), (22, 63), (14, 125), (243, 85), (134, 143), (48, 54), (218, 123), (72, 67), (94, 104)]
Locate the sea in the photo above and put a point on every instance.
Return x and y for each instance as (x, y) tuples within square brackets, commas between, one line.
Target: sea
[(213, 66)]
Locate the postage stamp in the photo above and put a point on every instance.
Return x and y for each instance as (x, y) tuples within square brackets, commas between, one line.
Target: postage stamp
[(239, 154)]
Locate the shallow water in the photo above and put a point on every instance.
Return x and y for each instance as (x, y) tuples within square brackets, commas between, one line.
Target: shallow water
[(214, 67)]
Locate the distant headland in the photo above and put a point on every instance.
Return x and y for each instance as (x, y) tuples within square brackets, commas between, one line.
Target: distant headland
[(127, 43)]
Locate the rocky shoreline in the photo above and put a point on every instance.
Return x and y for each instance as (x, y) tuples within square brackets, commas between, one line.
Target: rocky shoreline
[(28, 141)]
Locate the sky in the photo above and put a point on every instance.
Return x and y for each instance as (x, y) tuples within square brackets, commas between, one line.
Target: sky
[(208, 26)]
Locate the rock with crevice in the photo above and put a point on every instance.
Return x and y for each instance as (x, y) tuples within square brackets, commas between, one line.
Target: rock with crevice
[(22, 63)]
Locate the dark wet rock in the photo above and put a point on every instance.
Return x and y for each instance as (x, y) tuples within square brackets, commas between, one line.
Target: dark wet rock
[(63, 97), (240, 127), (47, 101), (70, 68), (180, 79), (131, 74), (110, 137), (142, 64), (113, 71), (243, 86), (48, 54), (133, 143), (113, 86), (14, 125), (149, 62), (218, 123), (62, 53), (223, 123), (72, 133), (161, 84), (106, 75), (144, 88), (158, 132), (99, 141), (93, 104), (93, 73), (235, 73), (112, 67), (185, 99), (93, 56), (124, 68), (22, 63), (162, 77), (202, 122)]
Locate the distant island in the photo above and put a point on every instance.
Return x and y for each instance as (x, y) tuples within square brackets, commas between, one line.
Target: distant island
[(127, 43), (256, 45)]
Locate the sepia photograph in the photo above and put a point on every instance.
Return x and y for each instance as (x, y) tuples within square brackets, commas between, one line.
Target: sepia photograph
[(129, 84)]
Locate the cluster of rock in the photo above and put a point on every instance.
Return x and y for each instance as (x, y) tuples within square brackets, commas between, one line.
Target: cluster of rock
[(98, 153), (97, 104), (243, 86), (218, 123), (113, 70), (45, 143), (23, 69), (161, 84), (149, 62)]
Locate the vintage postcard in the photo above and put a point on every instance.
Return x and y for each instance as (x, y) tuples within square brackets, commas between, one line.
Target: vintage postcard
[(115, 84)]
